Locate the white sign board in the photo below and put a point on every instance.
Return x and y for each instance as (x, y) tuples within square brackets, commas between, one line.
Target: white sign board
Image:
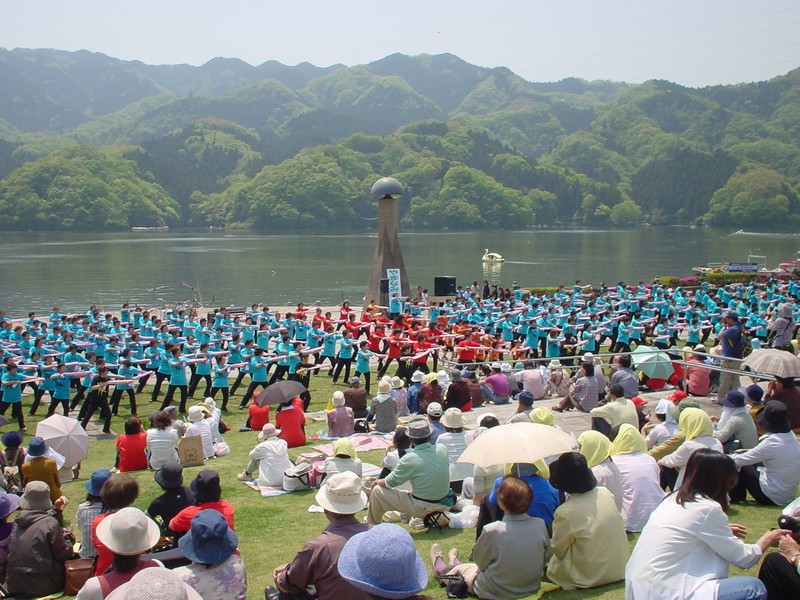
[(393, 275)]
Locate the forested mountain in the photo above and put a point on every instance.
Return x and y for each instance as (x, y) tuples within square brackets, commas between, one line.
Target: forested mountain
[(275, 146)]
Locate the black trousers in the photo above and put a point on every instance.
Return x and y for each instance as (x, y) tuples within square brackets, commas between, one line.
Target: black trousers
[(225, 396), (98, 401), (250, 391), (117, 396), (184, 390), (160, 377), (780, 577), (54, 404), (749, 482), (16, 411)]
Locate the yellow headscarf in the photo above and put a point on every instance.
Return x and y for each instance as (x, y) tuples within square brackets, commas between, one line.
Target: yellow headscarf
[(694, 423), (344, 446), (595, 447), (628, 440), (543, 416), (543, 470)]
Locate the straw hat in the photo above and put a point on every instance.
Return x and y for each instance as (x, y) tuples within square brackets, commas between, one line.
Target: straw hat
[(453, 419), (505, 367), (128, 532), (155, 583), (342, 493), (384, 387), (397, 383)]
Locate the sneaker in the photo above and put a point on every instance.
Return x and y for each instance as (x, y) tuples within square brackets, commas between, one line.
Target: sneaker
[(416, 523), (244, 476), (452, 556), (436, 552)]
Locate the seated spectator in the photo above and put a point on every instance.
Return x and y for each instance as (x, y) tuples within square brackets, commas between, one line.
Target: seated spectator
[(400, 445), (215, 572), (90, 509), (641, 490), (8, 504), (475, 392), (434, 412), (175, 498), (495, 387), (427, 469), (291, 421), (40, 468), (457, 394), (162, 440), (785, 390), (127, 534), (754, 398), (583, 392), (39, 546), (340, 420), (664, 426), (597, 449), (735, 428), (558, 382), (200, 427), (131, 454), (118, 492), (155, 583), (207, 494), (384, 563), (13, 455), (697, 377), (699, 431), (524, 407), (775, 480), (258, 416), (545, 496), (383, 409), (481, 483), (400, 395), (453, 439), (510, 555), (345, 459), (341, 496), (616, 411), (355, 398), (417, 379), (687, 544), (670, 445), (270, 458), (532, 380), (430, 392), (779, 571), (589, 544)]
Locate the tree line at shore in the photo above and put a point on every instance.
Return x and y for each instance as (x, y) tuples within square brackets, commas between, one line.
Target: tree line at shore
[(88, 142)]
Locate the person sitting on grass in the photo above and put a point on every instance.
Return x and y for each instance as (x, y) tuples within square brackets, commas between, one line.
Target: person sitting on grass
[(341, 496), (340, 420), (175, 498), (207, 494), (89, 509), (270, 458), (510, 555), (131, 454), (344, 459)]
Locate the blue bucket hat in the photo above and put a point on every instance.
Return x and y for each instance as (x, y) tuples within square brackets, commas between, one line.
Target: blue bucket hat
[(384, 562), (12, 439), (209, 541), (37, 447), (97, 480)]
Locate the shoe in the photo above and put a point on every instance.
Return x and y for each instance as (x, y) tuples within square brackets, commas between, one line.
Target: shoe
[(557, 409), (452, 556), (436, 552), (244, 476)]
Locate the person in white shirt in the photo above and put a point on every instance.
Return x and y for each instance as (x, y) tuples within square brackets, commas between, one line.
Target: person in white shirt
[(596, 447), (532, 380), (779, 452), (699, 431), (200, 426), (270, 458), (454, 440), (665, 427), (687, 544), (162, 441)]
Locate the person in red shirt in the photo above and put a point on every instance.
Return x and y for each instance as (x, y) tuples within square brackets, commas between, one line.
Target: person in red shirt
[(291, 420), (396, 341), (422, 349), (207, 495), (467, 349), (131, 455), (258, 416)]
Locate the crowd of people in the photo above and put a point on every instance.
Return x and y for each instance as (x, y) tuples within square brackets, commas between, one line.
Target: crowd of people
[(558, 521)]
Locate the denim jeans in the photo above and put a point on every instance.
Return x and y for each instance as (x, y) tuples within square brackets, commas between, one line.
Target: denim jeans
[(741, 588), (490, 396)]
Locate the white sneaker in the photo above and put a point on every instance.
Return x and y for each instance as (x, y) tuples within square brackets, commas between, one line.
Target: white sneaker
[(244, 476)]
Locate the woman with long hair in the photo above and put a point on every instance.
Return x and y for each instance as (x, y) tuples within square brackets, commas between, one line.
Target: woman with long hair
[(686, 547)]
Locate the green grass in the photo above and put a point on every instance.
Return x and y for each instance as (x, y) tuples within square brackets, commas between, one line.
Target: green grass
[(272, 530)]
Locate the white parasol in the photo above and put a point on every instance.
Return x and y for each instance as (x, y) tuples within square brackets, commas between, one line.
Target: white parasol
[(65, 436), (516, 443)]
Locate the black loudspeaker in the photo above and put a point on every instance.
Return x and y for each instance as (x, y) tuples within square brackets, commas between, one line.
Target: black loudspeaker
[(444, 286), (384, 286)]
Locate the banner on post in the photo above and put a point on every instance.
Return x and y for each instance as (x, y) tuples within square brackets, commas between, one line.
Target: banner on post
[(393, 275)]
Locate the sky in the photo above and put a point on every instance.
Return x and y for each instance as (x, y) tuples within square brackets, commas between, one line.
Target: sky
[(692, 42)]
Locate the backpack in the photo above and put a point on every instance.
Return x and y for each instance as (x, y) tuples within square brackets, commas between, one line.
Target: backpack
[(11, 473)]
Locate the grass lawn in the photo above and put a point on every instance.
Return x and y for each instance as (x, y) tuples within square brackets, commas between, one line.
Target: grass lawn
[(271, 530)]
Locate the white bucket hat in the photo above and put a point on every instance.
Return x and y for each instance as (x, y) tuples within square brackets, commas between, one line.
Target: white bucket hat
[(155, 583), (195, 414), (418, 377), (267, 431), (453, 419), (342, 493), (128, 532)]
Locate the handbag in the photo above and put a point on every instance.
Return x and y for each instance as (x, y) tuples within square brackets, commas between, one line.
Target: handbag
[(297, 477), (76, 573)]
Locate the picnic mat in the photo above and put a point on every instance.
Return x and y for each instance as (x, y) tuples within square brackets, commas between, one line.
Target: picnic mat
[(362, 442), (266, 491)]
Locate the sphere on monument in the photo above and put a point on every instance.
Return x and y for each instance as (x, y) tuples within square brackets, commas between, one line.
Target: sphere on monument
[(387, 186)]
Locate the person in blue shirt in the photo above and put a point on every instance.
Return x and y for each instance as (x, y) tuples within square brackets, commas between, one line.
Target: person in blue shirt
[(329, 347), (345, 356), (12, 382), (295, 360), (47, 367), (258, 375), (283, 349), (220, 381), (202, 371), (245, 354), (126, 371), (61, 379), (85, 383), (177, 380), (164, 369)]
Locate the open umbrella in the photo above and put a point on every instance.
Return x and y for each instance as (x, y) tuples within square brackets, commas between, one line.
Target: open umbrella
[(652, 362), (516, 442), (772, 361), (65, 436), (279, 392)]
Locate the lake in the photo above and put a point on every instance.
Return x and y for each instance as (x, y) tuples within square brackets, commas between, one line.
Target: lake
[(74, 270)]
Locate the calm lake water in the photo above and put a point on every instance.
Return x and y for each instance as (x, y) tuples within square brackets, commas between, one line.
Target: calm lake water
[(40, 270)]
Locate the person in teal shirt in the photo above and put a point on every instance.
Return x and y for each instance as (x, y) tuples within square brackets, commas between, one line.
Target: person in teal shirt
[(258, 375), (220, 381), (345, 356), (283, 349), (47, 367), (126, 371), (12, 382), (246, 355), (202, 371), (61, 380), (177, 380)]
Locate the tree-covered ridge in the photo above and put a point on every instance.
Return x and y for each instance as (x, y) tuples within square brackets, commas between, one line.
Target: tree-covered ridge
[(275, 147)]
